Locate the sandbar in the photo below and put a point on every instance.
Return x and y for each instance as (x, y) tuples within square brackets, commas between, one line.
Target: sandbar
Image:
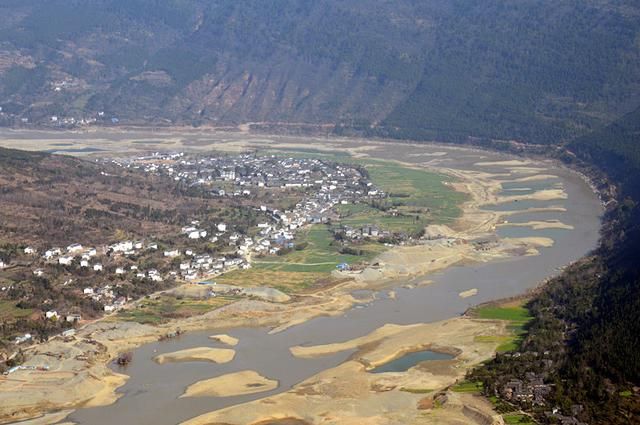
[(225, 339), (215, 355), (231, 384), (468, 293)]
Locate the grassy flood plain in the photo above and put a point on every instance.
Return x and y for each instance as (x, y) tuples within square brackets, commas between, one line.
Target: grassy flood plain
[(420, 197)]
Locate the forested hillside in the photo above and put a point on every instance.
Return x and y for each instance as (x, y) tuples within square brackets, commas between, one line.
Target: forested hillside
[(537, 70), (585, 335)]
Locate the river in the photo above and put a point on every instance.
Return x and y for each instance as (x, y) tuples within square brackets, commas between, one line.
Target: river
[(151, 395)]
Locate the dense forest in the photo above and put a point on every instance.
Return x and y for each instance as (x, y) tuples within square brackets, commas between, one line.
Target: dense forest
[(587, 320), (535, 70)]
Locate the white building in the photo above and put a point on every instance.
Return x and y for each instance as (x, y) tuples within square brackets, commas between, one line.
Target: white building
[(51, 314), (29, 250), (76, 247), (222, 227), (50, 253), (97, 267), (122, 246), (65, 261), (21, 339)]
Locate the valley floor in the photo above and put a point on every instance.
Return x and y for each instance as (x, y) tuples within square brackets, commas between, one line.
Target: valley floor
[(79, 376)]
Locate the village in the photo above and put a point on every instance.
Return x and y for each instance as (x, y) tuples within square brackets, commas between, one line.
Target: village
[(103, 275)]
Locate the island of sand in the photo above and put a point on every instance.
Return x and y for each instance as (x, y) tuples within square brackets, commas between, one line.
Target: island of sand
[(231, 384), (225, 339), (198, 354)]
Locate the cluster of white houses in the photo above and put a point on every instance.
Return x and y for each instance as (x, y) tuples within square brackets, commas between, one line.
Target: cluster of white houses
[(327, 185), (344, 181)]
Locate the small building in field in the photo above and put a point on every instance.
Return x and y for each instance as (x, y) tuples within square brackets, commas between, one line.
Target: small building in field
[(51, 314), (72, 318)]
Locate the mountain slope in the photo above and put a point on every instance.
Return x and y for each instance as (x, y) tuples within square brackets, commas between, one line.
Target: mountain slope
[(587, 320), (533, 70)]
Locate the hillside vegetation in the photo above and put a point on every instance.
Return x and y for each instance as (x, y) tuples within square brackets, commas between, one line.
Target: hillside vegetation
[(538, 70), (584, 337)]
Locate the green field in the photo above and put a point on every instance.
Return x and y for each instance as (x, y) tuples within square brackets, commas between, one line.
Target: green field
[(417, 390), (9, 310), (416, 199), (517, 419), (300, 270), (517, 316), (417, 188), (414, 192), (318, 256), (467, 387), (161, 310)]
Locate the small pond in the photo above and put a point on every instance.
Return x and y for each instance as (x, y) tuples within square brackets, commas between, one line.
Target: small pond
[(406, 362)]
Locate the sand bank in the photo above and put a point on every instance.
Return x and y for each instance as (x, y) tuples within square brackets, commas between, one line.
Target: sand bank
[(540, 225), (469, 293), (540, 195), (49, 419), (534, 241), (215, 355), (506, 163), (232, 384), (225, 339), (348, 394), (535, 178)]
